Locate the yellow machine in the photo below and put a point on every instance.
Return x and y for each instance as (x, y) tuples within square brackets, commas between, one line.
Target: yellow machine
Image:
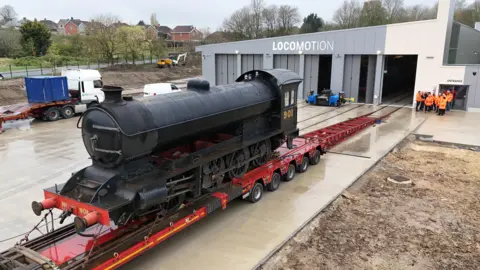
[(166, 62)]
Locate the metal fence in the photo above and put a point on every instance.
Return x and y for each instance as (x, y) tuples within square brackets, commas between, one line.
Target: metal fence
[(55, 67)]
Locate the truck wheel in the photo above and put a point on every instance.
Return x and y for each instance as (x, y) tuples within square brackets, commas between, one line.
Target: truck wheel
[(256, 193), (67, 112), (290, 173), (52, 114), (304, 166), (275, 182), (316, 158)]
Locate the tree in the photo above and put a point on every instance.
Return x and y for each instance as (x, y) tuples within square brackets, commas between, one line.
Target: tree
[(153, 19), (35, 38), (468, 14), (312, 23), (132, 38), (257, 7), (7, 15), (9, 43), (373, 13), (393, 10), (270, 16), (240, 22), (348, 15), (288, 17), (103, 34)]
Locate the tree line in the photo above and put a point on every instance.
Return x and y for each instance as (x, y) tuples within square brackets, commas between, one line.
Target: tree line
[(104, 40), (257, 20)]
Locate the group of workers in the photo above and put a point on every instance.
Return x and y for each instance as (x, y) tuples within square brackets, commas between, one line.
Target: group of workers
[(439, 103)]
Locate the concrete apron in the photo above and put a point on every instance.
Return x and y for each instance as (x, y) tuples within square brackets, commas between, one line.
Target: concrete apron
[(245, 235)]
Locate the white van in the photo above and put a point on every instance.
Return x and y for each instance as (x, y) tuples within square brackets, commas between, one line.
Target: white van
[(85, 84), (154, 89)]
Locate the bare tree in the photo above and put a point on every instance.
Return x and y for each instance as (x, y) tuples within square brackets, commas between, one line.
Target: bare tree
[(7, 15), (104, 35), (205, 32), (393, 9), (270, 17), (288, 17), (241, 22), (257, 7), (348, 15), (133, 40)]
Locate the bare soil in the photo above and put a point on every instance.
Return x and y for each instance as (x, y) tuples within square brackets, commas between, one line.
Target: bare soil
[(376, 224), (127, 76)]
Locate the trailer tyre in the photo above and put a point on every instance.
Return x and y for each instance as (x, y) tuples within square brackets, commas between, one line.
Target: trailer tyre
[(275, 183), (67, 112), (304, 166), (52, 114), (256, 193), (290, 173), (316, 158)]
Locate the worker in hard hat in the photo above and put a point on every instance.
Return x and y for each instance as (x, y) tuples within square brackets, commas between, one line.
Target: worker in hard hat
[(442, 105), (429, 102), (419, 100)]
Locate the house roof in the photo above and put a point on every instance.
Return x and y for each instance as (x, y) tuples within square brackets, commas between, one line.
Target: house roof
[(119, 24), (48, 23), (183, 29), (163, 29)]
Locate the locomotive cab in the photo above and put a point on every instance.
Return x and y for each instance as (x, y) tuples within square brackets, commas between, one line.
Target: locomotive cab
[(287, 82)]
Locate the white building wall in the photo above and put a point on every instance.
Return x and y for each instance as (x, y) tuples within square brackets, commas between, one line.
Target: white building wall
[(428, 40)]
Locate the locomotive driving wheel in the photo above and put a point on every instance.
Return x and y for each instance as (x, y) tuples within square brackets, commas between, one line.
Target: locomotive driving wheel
[(264, 150), (239, 163)]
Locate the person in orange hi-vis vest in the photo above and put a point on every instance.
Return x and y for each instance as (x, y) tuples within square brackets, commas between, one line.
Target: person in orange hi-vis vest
[(429, 103), (419, 100), (436, 100), (449, 100), (442, 105)]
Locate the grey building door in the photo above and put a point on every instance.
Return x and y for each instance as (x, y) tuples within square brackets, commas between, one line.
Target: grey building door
[(351, 76), (310, 83), (251, 62), (287, 61), (225, 68)]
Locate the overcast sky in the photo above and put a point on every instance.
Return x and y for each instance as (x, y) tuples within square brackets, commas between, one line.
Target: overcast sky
[(201, 13)]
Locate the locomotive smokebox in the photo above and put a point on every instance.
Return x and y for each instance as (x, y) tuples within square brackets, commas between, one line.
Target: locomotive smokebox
[(113, 94)]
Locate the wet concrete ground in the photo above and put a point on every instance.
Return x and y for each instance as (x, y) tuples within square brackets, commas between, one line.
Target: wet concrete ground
[(239, 237), (455, 127)]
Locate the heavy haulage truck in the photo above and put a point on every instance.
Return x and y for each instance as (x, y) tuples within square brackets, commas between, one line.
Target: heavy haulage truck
[(54, 97)]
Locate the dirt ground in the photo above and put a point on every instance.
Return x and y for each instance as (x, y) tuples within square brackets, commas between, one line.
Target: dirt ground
[(431, 224), (13, 91)]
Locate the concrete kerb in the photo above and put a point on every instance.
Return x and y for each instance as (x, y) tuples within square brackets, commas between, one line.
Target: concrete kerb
[(316, 214), (429, 138)]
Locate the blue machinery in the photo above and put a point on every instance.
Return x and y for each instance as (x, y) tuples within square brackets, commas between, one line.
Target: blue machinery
[(326, 98)]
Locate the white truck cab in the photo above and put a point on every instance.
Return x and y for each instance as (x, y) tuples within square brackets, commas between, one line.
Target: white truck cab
[(85, 84), (154, 89)]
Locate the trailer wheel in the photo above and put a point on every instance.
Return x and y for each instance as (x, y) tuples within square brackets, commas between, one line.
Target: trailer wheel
[(67, 112), (256, 193), (304, 166), (290, 173), (275, 182), (52, 114), (316, 158)]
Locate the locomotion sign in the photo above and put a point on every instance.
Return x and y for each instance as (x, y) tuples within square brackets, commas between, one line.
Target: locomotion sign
[(303, 45)]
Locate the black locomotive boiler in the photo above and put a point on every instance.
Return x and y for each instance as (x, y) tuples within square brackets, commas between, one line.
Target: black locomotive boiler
[(150, 155)]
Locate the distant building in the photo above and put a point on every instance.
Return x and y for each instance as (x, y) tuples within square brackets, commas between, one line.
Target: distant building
[(61, 26), (184, 33), (52, 26)]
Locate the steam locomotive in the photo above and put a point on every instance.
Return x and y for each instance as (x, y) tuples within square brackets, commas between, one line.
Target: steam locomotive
[(151, 155)]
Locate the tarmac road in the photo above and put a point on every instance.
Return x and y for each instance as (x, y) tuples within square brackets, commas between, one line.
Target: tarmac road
[(35, 155)]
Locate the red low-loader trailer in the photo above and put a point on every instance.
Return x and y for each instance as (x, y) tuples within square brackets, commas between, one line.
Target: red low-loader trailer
[(103, 247)]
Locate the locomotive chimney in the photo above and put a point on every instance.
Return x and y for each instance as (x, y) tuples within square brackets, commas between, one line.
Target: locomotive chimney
[(113, 94)]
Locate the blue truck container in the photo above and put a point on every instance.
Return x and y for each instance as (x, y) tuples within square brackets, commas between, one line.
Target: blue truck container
[(46, 89)]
